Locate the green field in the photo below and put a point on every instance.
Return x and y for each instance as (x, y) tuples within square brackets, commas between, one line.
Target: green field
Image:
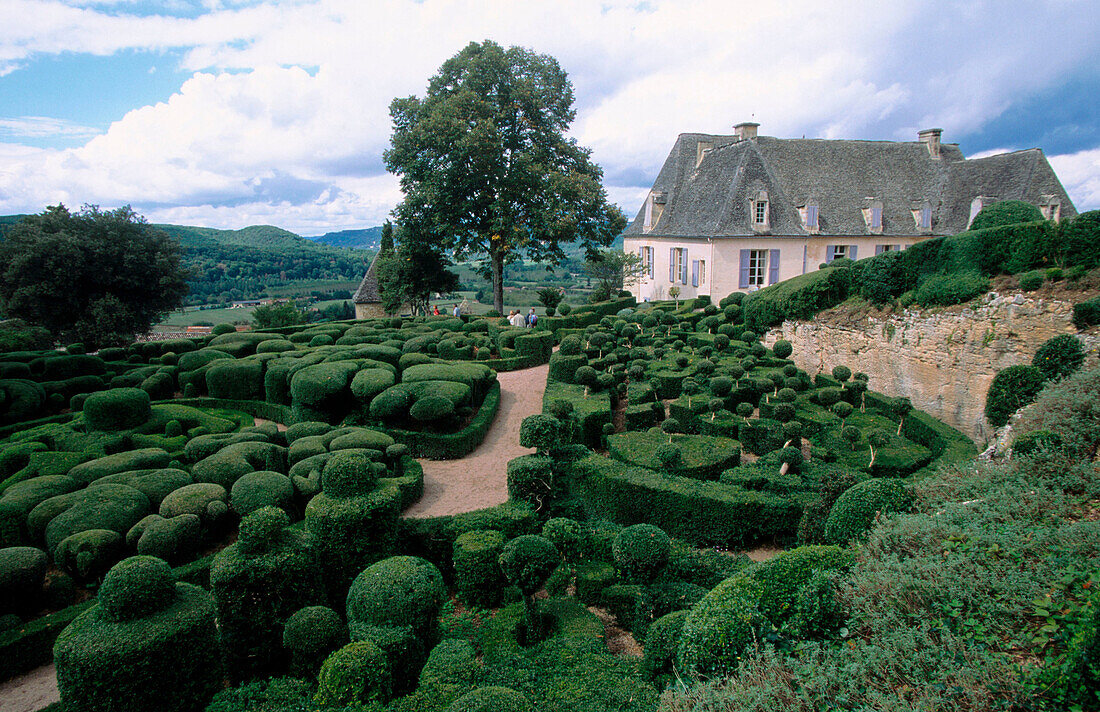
[(193, 317)]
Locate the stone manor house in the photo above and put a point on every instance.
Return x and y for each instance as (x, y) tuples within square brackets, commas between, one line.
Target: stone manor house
[(740, 212)]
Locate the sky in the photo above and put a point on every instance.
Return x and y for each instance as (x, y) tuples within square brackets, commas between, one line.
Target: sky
[(229, 113)]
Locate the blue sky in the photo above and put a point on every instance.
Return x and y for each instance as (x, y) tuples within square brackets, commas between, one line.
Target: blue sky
[(229, 113)]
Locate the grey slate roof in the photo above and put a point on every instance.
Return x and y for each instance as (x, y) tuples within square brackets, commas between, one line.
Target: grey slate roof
[(368, 292), (840, 176)]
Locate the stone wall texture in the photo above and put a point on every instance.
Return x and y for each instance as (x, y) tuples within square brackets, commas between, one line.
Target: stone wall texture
[(942, 360)]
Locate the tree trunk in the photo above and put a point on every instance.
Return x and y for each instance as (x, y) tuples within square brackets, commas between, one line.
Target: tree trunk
[(496, 259)]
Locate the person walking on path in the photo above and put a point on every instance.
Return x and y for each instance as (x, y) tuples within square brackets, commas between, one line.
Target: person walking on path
[(532, 318)]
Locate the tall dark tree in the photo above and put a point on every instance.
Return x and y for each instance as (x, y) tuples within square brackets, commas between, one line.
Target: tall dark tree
[(485, 164), (100, 276), (413, 271), (385, 243)]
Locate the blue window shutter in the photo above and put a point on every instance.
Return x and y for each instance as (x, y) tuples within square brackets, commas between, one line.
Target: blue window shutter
[(852, 252), (878, 250), (829, 253), (672, 264), (695, 273), (744, 281), (650, 262), (684, 267), (773, 267)]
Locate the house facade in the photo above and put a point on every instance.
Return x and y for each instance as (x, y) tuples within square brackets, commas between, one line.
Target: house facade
[(740, 212)]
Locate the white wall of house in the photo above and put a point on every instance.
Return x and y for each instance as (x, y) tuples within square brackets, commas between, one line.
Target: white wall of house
[(716, 266)]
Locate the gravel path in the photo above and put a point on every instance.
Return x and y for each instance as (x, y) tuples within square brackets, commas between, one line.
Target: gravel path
[(30, 692), (480, 479)]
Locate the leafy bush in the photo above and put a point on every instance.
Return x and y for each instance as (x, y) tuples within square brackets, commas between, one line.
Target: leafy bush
[(491, 699), (948, 289), (478, 577), (1012, 388), (401, 590), (147, 635), (530, 479), (1086, 313), (22, 573), (236, 379), (1006, 212), (356, 674), (310, 635), (86, 555), (661, 642), (1059, 357), (1030, 281), (117, 409), (641, 551), (716, 632), (263, 488), (855, 510)]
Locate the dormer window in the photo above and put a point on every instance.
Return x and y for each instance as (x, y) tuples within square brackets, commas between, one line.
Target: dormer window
[(759, 208), (1051, 208), (809, 217), (872, 215), (922, 216), (976, 206), (654, 206)]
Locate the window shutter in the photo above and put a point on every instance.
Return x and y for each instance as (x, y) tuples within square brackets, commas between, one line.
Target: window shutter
[(744, 280), (672, 264), (878, 250), (830, 254), (683, 267), (852, 252), (650, 254), (695, 273), (773, 267)]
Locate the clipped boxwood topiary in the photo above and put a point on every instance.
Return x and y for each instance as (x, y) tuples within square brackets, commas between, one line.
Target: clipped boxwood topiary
[(1012, 388), (1006, 212), (491, 699), (530, 480), (661, 641), (22, 573), (88, 554), (263, 488), (527, 561), (150, 643), (716, 632), (310, 636), (356, 674), (431, 409), (117, 409), (855, 510), (478, 578), (400, 590), (1059, 357), (640, 551), (258, 583)]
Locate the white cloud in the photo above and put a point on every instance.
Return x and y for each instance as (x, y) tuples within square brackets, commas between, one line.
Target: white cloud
[(286, 115), (44, 126), (1080, 175)]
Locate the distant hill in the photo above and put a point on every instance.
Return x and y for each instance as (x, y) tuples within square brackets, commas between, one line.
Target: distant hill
[(264, 237), (366, 239), (7, 221)]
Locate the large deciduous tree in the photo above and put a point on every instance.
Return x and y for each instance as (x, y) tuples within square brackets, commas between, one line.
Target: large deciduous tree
[(613, 270), (485, 165), (101, 276)]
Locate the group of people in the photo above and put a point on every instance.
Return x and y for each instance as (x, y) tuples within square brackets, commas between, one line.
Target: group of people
[(515, 318)]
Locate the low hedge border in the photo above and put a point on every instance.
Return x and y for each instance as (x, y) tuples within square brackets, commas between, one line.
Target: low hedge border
[(7, 431), (257, 409), (947, 444), (30, 645), (451, 446), (702, 513)]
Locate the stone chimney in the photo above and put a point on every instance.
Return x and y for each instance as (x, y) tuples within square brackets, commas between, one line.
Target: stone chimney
[(931, 139), (745, 130)]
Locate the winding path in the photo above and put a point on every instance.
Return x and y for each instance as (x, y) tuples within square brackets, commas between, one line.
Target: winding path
[(480, 479)]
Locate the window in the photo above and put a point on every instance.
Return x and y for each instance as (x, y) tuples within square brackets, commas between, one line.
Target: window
[(809, 217), (758, 265), (1051, 211), (925, 218), (646, 254), (840, 252), (677, 265), (698, 272), (760, 212), (702, 272), (872, 215), (648, 224), (879, 249)]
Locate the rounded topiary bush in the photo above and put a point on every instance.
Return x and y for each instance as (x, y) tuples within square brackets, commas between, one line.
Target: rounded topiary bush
[(491, 699), (88, 554), (539, 431), (566, 535), (356, 674), (661, 641), (718, 629), (1012, 388), (22, 574), (1006, 212), (529, 479), (263, 488), (782, 348), (640, 551), (1059, 357), (258, 583), (855, 510), (147, 635), (431, 409), (348, 474), (478, 578), (117, 409), (310, 636), (223, 329), (400, 590)]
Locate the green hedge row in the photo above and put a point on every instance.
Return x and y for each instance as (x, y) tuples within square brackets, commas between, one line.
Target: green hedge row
[(703, 513), (451, 446), (947, 444)]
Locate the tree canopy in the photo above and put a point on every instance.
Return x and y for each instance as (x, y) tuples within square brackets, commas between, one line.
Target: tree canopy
[(409, 273), (486, 168), (613, 271), (100, 275)]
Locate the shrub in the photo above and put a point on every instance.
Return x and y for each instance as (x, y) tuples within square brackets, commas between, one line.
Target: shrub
[(1059, 357), (86, 555), (369, 382), (401, 590), (818, 613), (540, 432), (478, 578), (258, 583), (640, 551), (661, 642), (231, 462), (22, 574), (310, 635), (782, 348), (175, 540), (236, 379), (193, 499), (855, 510), (452, 662), (948, 289), (117, 409), (109, 506), (1030, 281), (261, 489), (356, 674), (1012, 388), (1006, 212), (491, 699), (279, 693), (148, 634), (431, 409), (530, 479), (527, 561), (146, 458), (566, 535), (716, 632), (1086, 313)]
